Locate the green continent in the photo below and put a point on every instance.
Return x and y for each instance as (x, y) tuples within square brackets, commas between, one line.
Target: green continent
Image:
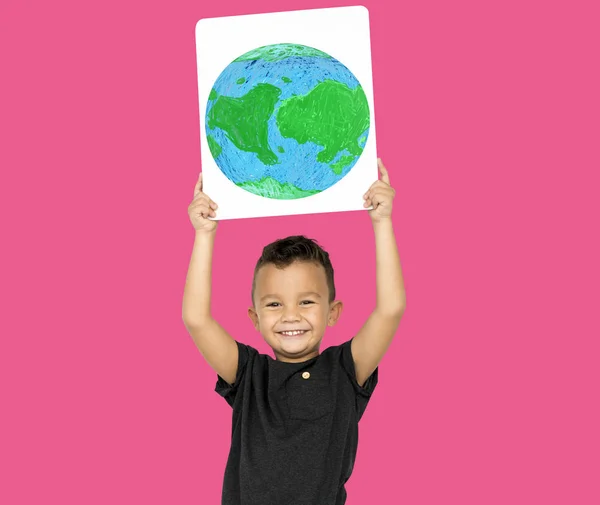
[(331, 115), (278, 52), (339, 165), (280, 149), (272, 188), (244, 120), (286, 79), (213, 145), (213, 95), (241, 80)]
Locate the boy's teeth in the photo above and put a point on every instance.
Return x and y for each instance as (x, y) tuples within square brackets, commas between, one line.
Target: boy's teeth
[(292, 333)]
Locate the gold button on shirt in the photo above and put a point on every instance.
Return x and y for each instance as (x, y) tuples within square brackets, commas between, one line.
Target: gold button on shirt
[(305, 375)]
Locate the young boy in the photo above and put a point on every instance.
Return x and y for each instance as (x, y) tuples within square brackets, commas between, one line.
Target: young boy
[(295, 418)]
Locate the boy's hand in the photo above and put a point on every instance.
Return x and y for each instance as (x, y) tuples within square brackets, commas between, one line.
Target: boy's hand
[(201, 208), (380, 196)]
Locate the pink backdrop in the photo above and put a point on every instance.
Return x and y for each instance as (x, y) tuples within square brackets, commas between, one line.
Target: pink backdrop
[(487, 118)]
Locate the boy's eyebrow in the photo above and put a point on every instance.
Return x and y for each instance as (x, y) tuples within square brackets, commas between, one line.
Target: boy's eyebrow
[(307, 293), (311, 293)]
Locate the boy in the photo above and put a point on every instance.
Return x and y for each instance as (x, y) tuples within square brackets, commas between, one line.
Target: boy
[(295, 418)]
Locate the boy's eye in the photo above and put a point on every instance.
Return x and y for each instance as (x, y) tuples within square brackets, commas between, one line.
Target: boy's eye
[(277, 304)]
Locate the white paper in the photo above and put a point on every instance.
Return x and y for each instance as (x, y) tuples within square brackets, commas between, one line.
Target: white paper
[(342, 33)]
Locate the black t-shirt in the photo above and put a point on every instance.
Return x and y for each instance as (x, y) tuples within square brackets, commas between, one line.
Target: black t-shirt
[(294, 428)]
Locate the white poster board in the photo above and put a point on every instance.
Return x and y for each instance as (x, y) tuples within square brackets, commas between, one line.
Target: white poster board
[(270, 114)]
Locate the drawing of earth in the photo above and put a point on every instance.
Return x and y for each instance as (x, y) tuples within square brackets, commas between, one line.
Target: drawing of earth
[(286, 121)]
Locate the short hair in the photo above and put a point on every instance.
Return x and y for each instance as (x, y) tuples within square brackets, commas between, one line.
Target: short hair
[(285, 251)]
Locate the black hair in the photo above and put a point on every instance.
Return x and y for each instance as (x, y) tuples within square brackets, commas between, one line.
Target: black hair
[(285, 251)]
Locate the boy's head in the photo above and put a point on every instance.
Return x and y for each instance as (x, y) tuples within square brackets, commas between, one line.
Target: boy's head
[(293, 297)]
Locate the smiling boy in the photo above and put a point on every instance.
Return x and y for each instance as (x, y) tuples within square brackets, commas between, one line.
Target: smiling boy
[(295, 418), (293, 298)]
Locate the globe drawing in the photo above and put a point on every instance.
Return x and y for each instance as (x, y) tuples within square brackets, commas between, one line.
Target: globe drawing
[(286, 121)]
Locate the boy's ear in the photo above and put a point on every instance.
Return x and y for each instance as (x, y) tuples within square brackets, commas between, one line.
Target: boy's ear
[(254, 317), (335, 311)]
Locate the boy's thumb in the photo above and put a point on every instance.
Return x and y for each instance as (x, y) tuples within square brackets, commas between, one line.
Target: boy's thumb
[(198, 186)]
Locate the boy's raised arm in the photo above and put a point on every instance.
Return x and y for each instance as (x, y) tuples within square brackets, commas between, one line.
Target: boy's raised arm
[(217, 347), (372, 341)]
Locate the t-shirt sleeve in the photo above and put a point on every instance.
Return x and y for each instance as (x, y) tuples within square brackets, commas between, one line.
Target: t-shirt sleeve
[(364, 392), (229, 391)]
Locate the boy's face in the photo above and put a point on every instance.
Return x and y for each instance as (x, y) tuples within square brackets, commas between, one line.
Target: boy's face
[(293, 299)]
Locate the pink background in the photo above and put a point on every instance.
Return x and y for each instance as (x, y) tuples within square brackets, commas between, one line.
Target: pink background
[(488, 120)]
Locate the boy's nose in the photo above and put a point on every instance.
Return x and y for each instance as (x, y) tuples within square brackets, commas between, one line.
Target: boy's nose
[(290, 314)]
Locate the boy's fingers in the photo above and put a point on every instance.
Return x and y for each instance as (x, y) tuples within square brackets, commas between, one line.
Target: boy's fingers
[(379, 188), (203, 210), (200, 197), (380, 184), (384, 190), (383, 171), (378, 200), (378, 197), (200, 202), (206, 213), (210, 203), (197, 208), (204, 205), (371, 188), (373, 193), (203, 198)]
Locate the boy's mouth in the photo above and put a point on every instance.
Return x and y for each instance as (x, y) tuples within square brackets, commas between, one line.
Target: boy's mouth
[(292, 333)]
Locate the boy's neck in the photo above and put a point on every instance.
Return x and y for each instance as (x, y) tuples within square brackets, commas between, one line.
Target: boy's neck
[(302, 359)]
